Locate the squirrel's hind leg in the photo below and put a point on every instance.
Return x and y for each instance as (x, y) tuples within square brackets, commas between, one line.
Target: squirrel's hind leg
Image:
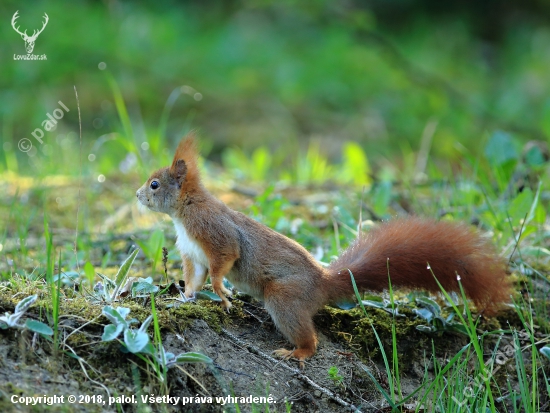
[(293, 317)]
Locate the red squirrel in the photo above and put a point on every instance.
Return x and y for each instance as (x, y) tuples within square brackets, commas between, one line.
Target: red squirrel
[(218, 241)]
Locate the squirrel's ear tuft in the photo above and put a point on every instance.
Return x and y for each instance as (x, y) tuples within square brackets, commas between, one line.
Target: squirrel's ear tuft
[(178, 170), (187, 148), (184, 165)]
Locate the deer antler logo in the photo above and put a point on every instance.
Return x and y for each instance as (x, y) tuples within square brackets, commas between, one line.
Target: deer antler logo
[(29, 40)]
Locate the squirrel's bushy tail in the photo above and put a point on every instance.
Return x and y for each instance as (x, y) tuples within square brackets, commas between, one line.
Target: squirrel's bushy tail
[(403, 248)]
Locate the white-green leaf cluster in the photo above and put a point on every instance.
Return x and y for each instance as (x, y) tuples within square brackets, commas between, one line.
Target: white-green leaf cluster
[(12, 320), (108, 291), (138, 341)]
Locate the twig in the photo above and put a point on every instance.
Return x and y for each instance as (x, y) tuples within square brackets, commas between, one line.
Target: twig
[(164, 262), (296, 372), (514, 235), (80, 328), (81, 361), (539, 275), (192, 378), (336, 233), (253, 315)]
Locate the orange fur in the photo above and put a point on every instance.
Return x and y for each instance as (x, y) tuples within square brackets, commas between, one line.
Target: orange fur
[(187, 152), (290, 282), (407, 251)]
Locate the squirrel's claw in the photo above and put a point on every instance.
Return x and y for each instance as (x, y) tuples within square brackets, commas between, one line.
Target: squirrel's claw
[(285, 354), (226, 305)]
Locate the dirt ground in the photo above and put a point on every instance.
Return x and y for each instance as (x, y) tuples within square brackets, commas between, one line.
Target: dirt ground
[(240, 347)]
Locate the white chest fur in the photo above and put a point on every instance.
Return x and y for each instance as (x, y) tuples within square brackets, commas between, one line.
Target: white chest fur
[(188, 246)]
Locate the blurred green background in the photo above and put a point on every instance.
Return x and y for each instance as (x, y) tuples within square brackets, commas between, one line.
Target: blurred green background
[(276, 74)]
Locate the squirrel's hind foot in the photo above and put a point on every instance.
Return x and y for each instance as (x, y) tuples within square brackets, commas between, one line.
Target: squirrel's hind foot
[(299, 354)]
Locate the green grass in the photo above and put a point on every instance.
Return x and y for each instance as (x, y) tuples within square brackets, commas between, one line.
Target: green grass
[(449, 386), (322, 132), (259, 83), (515, 219)]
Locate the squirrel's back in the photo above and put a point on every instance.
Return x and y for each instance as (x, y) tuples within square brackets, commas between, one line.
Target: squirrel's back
[(407, 251), (267, 256)]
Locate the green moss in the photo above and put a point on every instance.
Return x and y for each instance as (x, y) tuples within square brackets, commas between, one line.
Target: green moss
[(172, 316), (356, 329)]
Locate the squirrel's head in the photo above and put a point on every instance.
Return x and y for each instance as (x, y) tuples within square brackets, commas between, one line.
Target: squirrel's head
[(166, 188)]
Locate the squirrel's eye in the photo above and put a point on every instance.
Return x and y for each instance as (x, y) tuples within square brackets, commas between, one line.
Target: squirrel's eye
[(155, 185)]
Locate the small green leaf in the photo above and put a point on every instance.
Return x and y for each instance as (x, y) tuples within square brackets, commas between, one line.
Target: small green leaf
[(521, 206), (125, 269), (169, 357), (106, 280), (425, 329), (89, 272), (143, 288), (149, 349), (38, 327), (12, 319), (116, 316), (381, 195), (439, 323), (135, 340), (208, 295), (193, 358), (375, 304), (540, 214), (534, 205), (156, 241), (534, 156), (424, 313), (355, 167), (500, 149), (146, 323), (261, 163), (144, 247), (545, 351), (25, 303), (430, 304), (457, 328), (123, 311), (111, 331)]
